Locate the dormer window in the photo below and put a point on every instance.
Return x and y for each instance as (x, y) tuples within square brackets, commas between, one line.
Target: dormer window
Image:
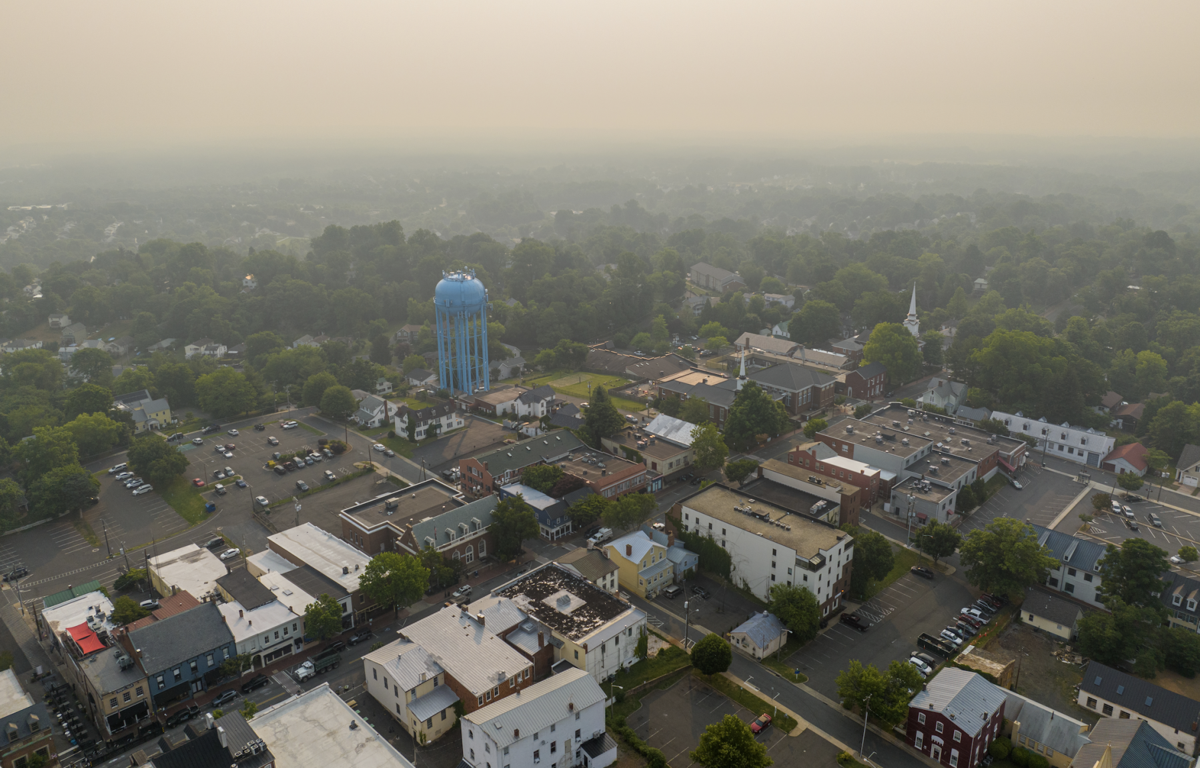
[(1083, 441), (1191, 605), (1063, 436)]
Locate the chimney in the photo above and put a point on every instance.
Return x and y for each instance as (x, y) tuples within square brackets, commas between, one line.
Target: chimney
[(221, 736), (208, 721), (481, 619), (670, 539), (541, 639), (629, 550), (240, 613)]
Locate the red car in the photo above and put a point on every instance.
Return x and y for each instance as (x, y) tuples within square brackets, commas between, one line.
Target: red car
[(199, 483), (760, 725)]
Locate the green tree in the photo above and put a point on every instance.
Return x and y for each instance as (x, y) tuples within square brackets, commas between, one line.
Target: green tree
[(93, 364), (892, 345), (49, 448), (1124, 632), (315, 386), (694, 410), (630, 510), (958, 307), (542, 477), (176, 381), (873, 560), (730, 744), (323, 618), (938, 540), (413, 363), (1132, 573), (88, 398), (1005, 558), (711, 655), (126, 610), (1129, 481), (1181, 650), (738, 471), (225, 392), (966, 500), (338, 402), (932, 352), (601, 416), (11, 499), (1156, 460), (514, 521), (260, 345), (62, 490), (249, 709), (587, 509), (94, 433), (156, 460), (381, 351), (716, 343), (859, 412), (798, 609), (1188, 554), (1101, 502), (709, 448), (815, 324), (813, 426), (394, 579), (885, 693), (129, 578), (235, 666), (753, 413), (442, 569)]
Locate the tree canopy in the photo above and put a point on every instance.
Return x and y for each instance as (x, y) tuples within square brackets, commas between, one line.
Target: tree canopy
[(729, 743), (394, 579), (1004, 557), (513, 521), (711, 655), (753, 413)]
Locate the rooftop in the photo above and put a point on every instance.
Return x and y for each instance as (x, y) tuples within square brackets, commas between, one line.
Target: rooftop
[(963, 696), (240, 619), (535, 708), (545, 449), (1062, 733), (191, 568), (944, 429), (685, 379), (1133, 453), (597, 466), (872, 435), (792, 377), (1133, 744), (111, 670), (408, 663), (793, 498), (566, 602), (806, 537), (168, 606), (592, 565), (477, 658), (1050, 606), (402, 507), (672, 430), (180, 637), (325, 552), (658, 449), (636, 543), (245, 589), (287, 592), (13, 697), (316, 729), (1141, 697), (476, 515), (761, 628), (70, 593), (314, 583), (913, 486), (496, 397), (89, 608), (1065, 548), (268, 562)]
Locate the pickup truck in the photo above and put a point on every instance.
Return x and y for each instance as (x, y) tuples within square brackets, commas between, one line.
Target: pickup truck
[(602, 535), (311, 669)]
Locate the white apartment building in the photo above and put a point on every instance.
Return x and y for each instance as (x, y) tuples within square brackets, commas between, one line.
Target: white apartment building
[(769, 545), (558, 722), (1082, 446), (411, 685)]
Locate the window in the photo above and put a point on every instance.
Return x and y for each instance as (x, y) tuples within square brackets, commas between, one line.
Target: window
[(537, 755), (1070, 588), (552, 727), (178, 674), (958, 735), (487, 696), (128, 696), (577, 655), (429, 723), (481, 701), (576, 734), (1091, 703), (938, 726), (112, 702), (921, 718), (140, 692), (1124, 715), (1107, 710), (374, 674), (209, 659), (1049, 752), (1087, 577), (919, 740), (954, 758), (553, 747), (160, 681), (385, 683), (1070, 571)]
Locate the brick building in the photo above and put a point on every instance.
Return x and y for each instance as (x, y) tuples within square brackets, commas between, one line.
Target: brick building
[(864, 382), (819, 459), (482, 474), (955, 718)]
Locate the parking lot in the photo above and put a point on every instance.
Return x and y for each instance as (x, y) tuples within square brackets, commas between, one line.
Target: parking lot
[(1043, 496), (906, 608), (135, 520), (321, 509), (674, 719), (1179, 528), (719, 611)]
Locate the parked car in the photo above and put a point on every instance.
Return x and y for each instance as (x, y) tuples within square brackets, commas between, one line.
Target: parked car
[(254, 683), (337, 646), (672, 591), (328, 453), (975, 613), (924, 573), (219, 474), (220, 489), (970, 620), (124, 476), (389, 453), (1116, 507), (761, 724), (230, 446), (118, 468), (290, 425), (211, 428), (261, 501), (1153, 518), (240, 483), (922, 667), (700, 592), (260, 427), (855, 621), (229, 554), (316, 457), (198, 482), (224, 699), (197, 441), (329, 475), (308, 461), (1016, 484), (303, 486), (16, 573), (1131, 525), (361, 636), (147, 488), (954, 630), (214, 542), (133, 482), (279, 470), (463, 591), (150, 605), (966, 629), (1176, 560), (272, 441), (233, 432), (183, 715), (925, 657), (379, 447), (951, 638), (1127, 511)]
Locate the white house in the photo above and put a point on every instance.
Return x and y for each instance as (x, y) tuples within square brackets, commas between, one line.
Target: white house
[(374, 411), (16, 345), (944, 394), (781, 330), (421, 378), (249, 283), (1078, 571), (535, 403), (305, 341), (205, 348), (785, 299), (559, 722), (383, 386), (267, 632), (1082, 446), (447, 416), (410, 684), (59, 320), (1187, 469), (759, 636), (1113, 693), (769, 545)]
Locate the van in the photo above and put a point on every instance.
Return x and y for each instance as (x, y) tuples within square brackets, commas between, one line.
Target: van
[(672, 591), (118, 468)]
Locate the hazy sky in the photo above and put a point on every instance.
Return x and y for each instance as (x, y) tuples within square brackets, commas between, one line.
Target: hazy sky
[(164, 73)]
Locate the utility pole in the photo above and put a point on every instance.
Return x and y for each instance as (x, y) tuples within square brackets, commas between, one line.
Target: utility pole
[(909, 513), (687, 620), (297, 511), (106, 546), (866, 714)]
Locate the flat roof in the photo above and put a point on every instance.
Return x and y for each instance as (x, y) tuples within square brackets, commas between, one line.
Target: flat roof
[(802, 474), (659, 449), (949, 467), (806, 537), (191, 568), (325, 552), (943, 429), (316, 729), (268, 562), (693, 376), (850, 465), (287, 592), (911, 485), (409, 505), (76, 611), (790, 498), (890, 440), (585, 464), (105, 672), (241, 621), (13, 697), (566, 602)]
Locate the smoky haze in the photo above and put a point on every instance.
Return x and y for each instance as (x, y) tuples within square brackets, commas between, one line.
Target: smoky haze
[(472, 74)]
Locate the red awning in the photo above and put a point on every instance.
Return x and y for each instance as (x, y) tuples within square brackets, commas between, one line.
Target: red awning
[(86, 639), (922, 516), (1006, 465)]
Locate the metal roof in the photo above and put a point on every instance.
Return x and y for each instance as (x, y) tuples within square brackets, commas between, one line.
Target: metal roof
[(1134, 744), (963, 696), (1140, 696), (1070, 550), (671, 429), (791, 376), (437, 700), (545, 449), (633, 546), (535, 708), (473, 655), (1064, 734), (761, 628)]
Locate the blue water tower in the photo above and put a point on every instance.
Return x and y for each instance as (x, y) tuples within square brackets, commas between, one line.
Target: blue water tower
[(460, 304)]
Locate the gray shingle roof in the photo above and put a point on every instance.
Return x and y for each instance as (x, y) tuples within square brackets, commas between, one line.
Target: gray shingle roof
[(1065, 548), (1051, 607), (181, 637), (544, 392), (964, 695), (761, 628), (1189, 457), (871, 370), (1187, 589), (547, 448), (1141, 697), (790, 376), (246, 589), (436, 527), (1044, 725), (1134, 744)]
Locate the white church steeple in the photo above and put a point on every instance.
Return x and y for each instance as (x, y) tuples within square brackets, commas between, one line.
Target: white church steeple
[(742, 372), (911, 322)]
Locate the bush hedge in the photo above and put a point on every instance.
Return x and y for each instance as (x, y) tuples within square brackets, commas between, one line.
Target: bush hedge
[(1000, 748)]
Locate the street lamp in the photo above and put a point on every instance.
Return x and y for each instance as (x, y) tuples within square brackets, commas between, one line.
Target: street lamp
[(614, 685), (776, 715), (866, 714)]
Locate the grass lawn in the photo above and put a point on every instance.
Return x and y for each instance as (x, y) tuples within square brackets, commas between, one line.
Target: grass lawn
[(668, 660), (85, 530), (748, 699), (785, 671), (185, 499), (575, 383), (398, 444), (416, 402), (307, 428)]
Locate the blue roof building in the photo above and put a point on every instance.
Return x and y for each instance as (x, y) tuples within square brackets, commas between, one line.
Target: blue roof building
[(760, 635)]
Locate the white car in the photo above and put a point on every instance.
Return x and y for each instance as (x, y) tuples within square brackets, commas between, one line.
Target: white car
[(261, 501), (947, 635), (380, 447), (124, 476), (1116, 507), (1176, 560), (290, 425), (144, 489), (228, 454), (1017, 485), (975, 613), (921, 666), (233, 432), (229, 554)]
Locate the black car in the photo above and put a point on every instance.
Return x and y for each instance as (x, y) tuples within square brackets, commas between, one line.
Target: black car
[(1131, 525), (183, 715), (924, 573), (174, 437), (362, 636), (16, 573), (254, 683), (260, 427), (224, 698), (700, 592), (1132, 497), (279, 470), (696, 481), (215, 543), (855, 621), (211, 428)]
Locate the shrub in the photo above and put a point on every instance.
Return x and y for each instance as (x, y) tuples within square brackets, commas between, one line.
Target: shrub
[(391, 433), (844, 758), (1020, 757), (1038, 761), (1000, 748), (655, 758)]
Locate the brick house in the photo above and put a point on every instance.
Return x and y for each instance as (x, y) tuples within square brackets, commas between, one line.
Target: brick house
[(482, 474), (800, 389), (955, 717), (820, 459), (864, 382)]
